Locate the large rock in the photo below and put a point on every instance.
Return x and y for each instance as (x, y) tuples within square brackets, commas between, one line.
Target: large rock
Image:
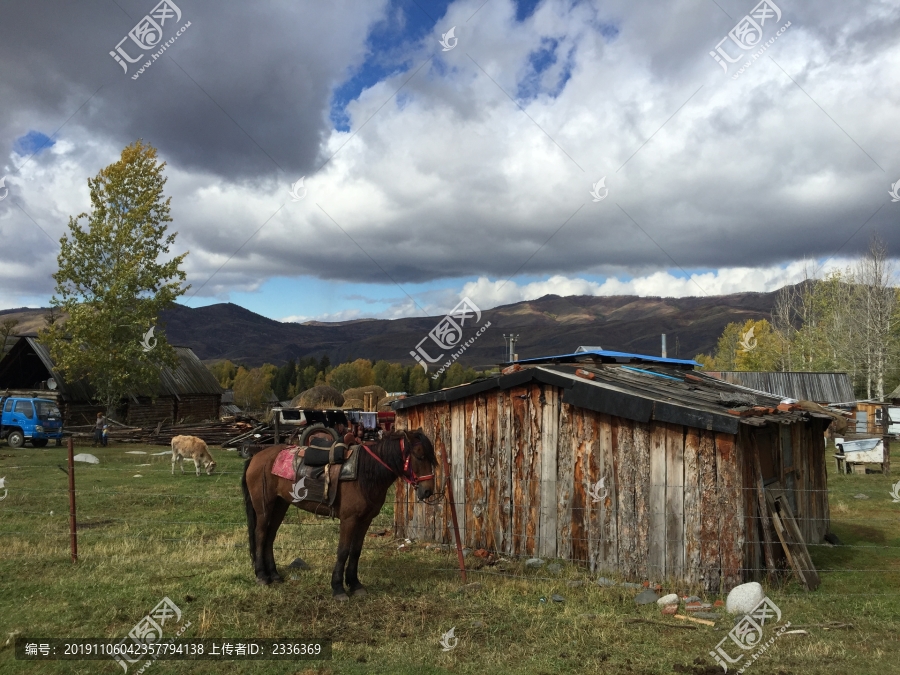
[(744, 598), (534, 563), (670, 599), (85, 457), (646, 597)]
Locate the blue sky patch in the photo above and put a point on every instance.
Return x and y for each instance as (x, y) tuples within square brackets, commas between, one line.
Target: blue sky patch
[(525, 8), (32, 142), (388, 48)]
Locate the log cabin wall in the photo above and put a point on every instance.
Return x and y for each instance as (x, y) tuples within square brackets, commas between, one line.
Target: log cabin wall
[(533, 476), (149, 411), (197, 408)]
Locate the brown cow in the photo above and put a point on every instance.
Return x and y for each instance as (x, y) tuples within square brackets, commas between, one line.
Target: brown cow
[(191, 447)]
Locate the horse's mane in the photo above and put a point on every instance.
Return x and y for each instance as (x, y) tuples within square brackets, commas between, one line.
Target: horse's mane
[(371, 474)]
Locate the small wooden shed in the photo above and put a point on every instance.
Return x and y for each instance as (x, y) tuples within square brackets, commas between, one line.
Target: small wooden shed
[(189, 392), (628, 464)]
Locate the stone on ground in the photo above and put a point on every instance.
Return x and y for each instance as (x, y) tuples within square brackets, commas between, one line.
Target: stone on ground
[(85, 457), (646, 597), (742, 599), (534, 563), (670, 599)]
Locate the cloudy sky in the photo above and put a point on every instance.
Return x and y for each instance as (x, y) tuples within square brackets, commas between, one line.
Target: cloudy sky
[(502, 150)]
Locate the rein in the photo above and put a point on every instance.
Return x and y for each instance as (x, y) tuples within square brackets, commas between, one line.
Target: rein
[(408, 474)]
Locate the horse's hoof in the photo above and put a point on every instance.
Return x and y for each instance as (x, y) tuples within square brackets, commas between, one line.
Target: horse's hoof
[(262, 582), (360, 592), (341, 597), (277, 579)]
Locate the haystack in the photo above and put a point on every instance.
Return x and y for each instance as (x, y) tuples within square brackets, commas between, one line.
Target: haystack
[(321, 396), (353, 404), (360, 392)]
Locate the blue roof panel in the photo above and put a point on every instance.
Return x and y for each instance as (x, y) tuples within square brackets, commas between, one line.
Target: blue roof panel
[(616, 356)]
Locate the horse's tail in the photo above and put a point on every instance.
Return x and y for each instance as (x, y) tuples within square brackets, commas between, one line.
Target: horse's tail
[(251, 512)]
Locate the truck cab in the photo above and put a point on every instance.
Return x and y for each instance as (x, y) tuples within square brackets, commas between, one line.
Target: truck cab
[(29, 419)]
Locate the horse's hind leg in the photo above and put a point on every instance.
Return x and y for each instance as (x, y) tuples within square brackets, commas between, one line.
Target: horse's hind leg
[(276, 516), (348, 529), (356, 546)]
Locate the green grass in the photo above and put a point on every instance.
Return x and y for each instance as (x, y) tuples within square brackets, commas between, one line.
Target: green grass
[(184, 537)]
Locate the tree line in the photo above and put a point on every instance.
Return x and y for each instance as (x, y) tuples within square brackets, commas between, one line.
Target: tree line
[(253, 386), (846, 321)]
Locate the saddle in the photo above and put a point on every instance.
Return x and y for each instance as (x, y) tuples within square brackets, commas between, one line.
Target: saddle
[(315, 474)]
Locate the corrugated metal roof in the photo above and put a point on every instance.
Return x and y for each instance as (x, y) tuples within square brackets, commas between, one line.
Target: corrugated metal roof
[(818, 387), (688, 398), (191, 377)]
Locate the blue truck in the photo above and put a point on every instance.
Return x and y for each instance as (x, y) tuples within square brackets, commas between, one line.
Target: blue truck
[(37, 420)]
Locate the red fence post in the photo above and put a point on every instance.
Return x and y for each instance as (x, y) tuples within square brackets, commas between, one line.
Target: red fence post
[(72, 534)]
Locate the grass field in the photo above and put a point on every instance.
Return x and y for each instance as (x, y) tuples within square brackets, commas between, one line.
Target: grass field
[(184, 537)]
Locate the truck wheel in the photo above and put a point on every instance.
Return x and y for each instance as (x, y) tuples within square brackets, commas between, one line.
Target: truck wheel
[(15, 439), (39, 442)]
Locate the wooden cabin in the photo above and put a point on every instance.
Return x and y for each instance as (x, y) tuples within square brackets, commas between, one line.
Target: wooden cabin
[(190, 392), (627, 464)]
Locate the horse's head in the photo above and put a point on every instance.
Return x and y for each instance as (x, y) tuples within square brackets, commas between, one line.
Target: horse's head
[(422, 463)]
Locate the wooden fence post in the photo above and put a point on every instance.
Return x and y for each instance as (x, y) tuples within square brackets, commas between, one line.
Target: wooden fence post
[(72, 529)]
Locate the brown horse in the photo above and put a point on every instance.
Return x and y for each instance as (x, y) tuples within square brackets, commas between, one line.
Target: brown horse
[(408, 455)]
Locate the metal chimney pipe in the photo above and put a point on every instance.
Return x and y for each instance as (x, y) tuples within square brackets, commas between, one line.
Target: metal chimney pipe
[(664, 345)]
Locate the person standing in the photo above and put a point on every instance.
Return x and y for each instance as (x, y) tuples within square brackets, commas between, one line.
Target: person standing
[(98, 429)]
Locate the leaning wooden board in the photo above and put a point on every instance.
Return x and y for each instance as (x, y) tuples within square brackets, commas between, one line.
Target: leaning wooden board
[(790, 537)]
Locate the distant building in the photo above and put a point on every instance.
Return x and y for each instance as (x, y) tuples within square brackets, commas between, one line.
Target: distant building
[(190, 392)]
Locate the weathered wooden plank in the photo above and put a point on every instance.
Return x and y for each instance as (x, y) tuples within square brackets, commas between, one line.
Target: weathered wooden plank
[(626, 525), (731, 507), (710, 573), (606, 459), (584, 511), (675, 501), (549, 427), (692, 505), (526, 470), (477, 469), (532, 529), (593, 493), (642, 497), (570, 472), (504, 474), (491, 481), (458, 463), (657, 560)]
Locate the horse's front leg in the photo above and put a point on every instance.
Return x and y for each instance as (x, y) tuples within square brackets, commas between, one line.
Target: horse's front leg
[(348, 529), (276, 517), (356, 546)]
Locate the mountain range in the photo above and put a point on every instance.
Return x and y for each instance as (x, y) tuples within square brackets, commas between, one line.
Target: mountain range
[(548, 325)]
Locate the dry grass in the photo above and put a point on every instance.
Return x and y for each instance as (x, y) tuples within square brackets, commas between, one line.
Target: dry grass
[(184, 537)]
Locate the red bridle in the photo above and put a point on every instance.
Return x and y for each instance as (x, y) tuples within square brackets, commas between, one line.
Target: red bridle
[(409, 475)]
